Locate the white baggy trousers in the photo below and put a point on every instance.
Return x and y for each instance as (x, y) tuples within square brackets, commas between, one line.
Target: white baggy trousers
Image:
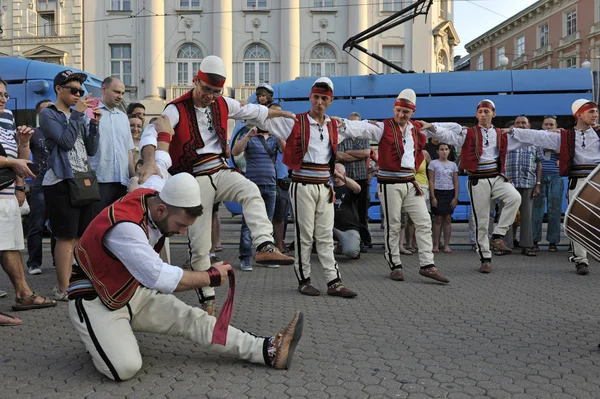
[(108, 334), (226, 185)]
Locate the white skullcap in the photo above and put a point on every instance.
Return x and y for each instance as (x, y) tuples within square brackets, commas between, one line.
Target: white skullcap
[(486, 103), (578, 104), (407, 95), (325, 80), (181, 190), (267, 87), (213, 65)]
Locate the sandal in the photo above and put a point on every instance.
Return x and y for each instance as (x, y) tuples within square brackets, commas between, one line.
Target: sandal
[(435, 251), (7, 320), (447, 250), (30, 303), (412, 250), (218, 248)]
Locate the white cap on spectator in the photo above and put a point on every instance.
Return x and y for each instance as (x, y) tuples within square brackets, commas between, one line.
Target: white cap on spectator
[(267, 87), (181, 190)]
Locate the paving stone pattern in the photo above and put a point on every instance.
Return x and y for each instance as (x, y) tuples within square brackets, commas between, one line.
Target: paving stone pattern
[(527, 330)]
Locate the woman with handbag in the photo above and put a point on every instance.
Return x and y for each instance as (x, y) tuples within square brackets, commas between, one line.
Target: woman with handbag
[(70, 187), (14, 160)]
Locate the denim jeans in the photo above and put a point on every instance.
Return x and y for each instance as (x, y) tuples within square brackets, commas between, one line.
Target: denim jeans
[(552, 193), (348, 242), (37, 219), (269, 195)]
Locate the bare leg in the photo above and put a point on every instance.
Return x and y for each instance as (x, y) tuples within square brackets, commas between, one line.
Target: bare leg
[(447, 230), (216, 232), (64, 261), (437, 232), (410, 234), (402, 248), (278, 230), (13, 266)]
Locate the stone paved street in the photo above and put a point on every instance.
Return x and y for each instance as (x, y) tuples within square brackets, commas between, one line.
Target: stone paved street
[(528, 330)]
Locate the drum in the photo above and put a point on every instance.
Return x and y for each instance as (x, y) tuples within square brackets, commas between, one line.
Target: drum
[(582, 219)]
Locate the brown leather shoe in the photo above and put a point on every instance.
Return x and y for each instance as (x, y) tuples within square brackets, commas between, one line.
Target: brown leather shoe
[(308, 289), (582, 269), (340, 290), (500, 247), (529, 252), (397, 275), (286, 341), (433, 273), (486, 267), (270, 255)]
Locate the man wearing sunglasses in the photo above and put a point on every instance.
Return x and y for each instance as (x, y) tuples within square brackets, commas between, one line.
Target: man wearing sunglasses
[(199, 146)]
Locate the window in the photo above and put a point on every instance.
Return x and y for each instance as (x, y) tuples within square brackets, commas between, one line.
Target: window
[(189, 57), (322, 60), (500, 52), (256, 4), (322, 3), (189, 4), (46, 18), (442, 62), (570, 22), (442, 9), (120, 62), (395, 55), (520, 46), (480, 62), (257, 60), (391, 5), (571, 62), (120, 5), (543, 35)]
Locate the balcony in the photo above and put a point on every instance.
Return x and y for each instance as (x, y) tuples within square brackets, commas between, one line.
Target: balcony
[(569, 40), (244, 92), (544, 51), (594, 30), (519, 61), (177, 91)]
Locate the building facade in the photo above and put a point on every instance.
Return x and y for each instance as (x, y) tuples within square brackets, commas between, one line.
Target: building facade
[(160, 43), (43, 30), (548, 34)]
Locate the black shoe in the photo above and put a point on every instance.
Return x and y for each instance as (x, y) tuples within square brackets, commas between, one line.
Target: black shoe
[(363, 249), (582, 269)]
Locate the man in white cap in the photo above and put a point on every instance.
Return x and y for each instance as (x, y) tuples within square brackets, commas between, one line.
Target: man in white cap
[(120, 285), (483, 156), (311, 145), (199, 147), (579, 154), (401, 144)]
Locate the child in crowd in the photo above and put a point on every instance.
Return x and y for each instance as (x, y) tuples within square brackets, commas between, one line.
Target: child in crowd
[(444, 189)]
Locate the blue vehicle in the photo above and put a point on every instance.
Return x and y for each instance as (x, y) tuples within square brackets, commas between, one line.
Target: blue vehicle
[(446, 97), (31, 81)]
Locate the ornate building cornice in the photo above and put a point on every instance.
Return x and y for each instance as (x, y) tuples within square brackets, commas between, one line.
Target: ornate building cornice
[(41, 40)]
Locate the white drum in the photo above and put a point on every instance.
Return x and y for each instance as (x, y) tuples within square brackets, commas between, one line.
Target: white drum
[(582, 219)]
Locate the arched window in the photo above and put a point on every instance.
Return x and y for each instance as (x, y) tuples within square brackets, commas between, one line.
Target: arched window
[(322, 60), (442, 62), (480, 62), (256, 65), (189, 57)]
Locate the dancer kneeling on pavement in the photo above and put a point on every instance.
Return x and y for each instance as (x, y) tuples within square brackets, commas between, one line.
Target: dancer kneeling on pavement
[(401, 144), (121, 285)]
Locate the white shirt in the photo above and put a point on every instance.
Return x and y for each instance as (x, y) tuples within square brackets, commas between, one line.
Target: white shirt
[(454, 134), (375, 133), (590, 154), (128, 242), (252, 112), (319, 151)]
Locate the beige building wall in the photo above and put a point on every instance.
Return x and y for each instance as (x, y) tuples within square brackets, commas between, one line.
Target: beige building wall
[(49, 31)]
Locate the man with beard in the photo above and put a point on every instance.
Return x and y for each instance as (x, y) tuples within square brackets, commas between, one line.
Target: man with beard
[(121, 285)]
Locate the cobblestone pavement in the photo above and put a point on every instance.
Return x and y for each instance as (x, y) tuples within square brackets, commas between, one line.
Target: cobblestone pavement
[(527, 330)]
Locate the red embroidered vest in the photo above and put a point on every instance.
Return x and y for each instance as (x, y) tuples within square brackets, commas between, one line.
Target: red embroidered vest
[(297, 143), (111, 280), (567, 150), (473, 148), (391, 148), (187, 138)]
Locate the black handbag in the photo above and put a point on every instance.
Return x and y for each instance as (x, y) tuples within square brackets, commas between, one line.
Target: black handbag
[(7, 175), (84, 188)]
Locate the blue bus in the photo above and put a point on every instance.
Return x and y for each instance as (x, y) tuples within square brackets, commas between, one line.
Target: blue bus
[(31, 81), (448, 97)]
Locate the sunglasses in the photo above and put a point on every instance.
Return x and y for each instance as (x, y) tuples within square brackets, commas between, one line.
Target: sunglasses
[(74, 90), (550, 117)]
